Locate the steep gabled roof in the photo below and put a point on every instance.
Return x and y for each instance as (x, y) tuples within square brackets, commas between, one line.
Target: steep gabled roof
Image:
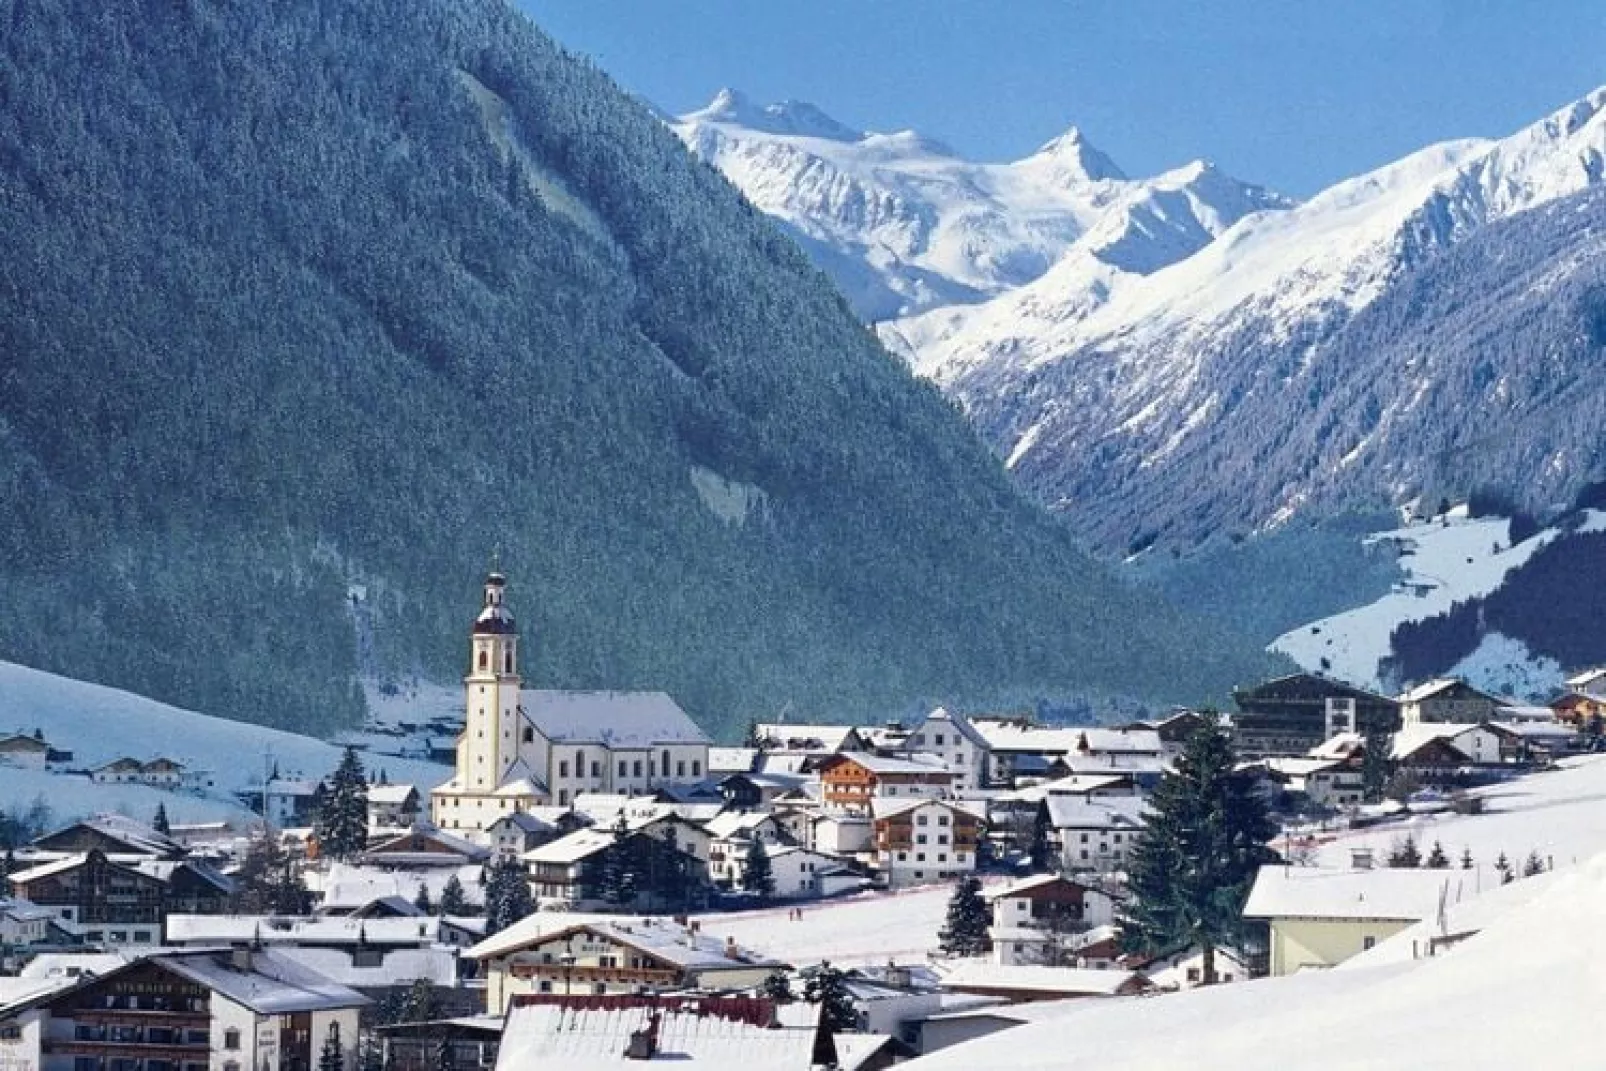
[(615, 719)]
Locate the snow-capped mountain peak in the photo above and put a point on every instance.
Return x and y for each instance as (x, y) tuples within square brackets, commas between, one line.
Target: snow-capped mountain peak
[(1075, 159), (791, 118), (904, 224)]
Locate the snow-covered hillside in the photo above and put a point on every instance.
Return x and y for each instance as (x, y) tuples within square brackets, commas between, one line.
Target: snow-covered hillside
[(872, 928), (98, 724), (1139, 406), (1442, 561), (1521, 993), (903, 224)]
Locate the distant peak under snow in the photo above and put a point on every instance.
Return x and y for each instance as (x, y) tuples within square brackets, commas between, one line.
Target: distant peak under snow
[(1080, 159), (792, 117)]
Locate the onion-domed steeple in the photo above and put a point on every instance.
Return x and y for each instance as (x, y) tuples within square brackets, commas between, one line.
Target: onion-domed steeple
[(494, 619)]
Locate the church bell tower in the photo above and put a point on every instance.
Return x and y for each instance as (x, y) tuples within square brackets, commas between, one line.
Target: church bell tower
[(491, 690)]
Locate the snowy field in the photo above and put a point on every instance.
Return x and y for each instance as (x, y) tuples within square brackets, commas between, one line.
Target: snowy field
[(1520, 994), (870, 928), (98, 724), (1561, 814), (1446, 561)]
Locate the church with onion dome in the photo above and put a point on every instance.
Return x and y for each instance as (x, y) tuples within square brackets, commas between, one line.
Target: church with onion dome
[(523, 748)]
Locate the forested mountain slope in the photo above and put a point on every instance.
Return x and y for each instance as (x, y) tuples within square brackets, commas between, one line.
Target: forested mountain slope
[(298, 297)]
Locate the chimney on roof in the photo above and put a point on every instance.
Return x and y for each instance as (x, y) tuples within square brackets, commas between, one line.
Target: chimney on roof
[(644, 1042)]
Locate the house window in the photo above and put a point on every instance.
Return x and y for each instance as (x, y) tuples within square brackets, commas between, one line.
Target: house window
[(563, 768), (596, 769), (529, 735), (920, 838), (636, 772), (1368, 942), (942, 857), (920, 857), (680, 768), (939, 739), (563, 797), (579, 763), (696, 768), (231, 1039), (624, 768), (546, 985), (665, 766), (920, 821), (942, 819)]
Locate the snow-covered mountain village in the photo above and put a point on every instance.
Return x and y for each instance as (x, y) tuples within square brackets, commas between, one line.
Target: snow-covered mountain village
[(596, 882), (1079, 549)]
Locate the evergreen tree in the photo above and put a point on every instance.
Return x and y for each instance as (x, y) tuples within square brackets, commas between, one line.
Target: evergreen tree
[(1205, 840), (420, 1005), (507, 895), (1436, 859), (965, 933), (828, 988), (453, 900), (619, 874), (371, 1054), (259, 882), (1503, 866), (1042, 847), (758, 875), (1466, 858), (1405, 854), (422, 901), (778, 987), (341, 825), (333, 1057), (160, 823), (751, 737), (1375, 764), (1532, 865)]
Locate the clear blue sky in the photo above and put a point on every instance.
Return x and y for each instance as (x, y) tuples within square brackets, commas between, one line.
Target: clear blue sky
[(1294, 94)]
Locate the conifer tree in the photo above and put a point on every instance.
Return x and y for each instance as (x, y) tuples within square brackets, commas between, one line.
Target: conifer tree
[(421, 900), (1436, 859), (1503, 866), (1375, 763), (371, 1055), (778, 987), (1205, 840), (160, 823), (1405, 854), (341, 825), (332, 1058), (1532, 865), (758, 874), (507, 895), (454, 902), (965, 932), (1042, 848), (828, 988)]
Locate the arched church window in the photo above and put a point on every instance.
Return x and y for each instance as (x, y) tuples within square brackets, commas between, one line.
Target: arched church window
[(482, 659), (507, 661)]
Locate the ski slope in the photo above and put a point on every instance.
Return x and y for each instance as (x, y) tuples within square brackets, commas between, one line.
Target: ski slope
[(871, 928), (98, 724)]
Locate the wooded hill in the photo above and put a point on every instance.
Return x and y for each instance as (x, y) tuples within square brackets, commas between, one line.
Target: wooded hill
[(301, 296)]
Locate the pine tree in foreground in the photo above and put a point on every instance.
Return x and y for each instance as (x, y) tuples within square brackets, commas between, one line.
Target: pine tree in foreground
[(422, 901), (828, 987), (507, 895), (1532, 865), (758, 874), (1375, 764), (1436, 859), (1204, 841), (1466, 858), (160, 822), (778, 987), (1405, 854), (341, 825), (454, 902), (1503, 866), (965, 932), (332, 1058)]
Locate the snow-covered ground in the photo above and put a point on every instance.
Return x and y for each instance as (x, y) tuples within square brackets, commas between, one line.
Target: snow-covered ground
[(1561, 814), (1443, 561), (98, 724), (870, 928), (1522, 993)]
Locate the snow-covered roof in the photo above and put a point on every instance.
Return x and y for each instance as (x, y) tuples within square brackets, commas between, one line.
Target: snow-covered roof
[(725, 760), (1404, 894), (275, 984), (1429, 689), (958, 723), (349, 886), (663, 938), (882, 807), (526, 822), (809, 738), (1580, 681), (1337, 746), (572, 848), (301, 929), (391, 793), (1535, 730), (1101, 812), (616, 719), (980, 974), (1072, 784), (591, 1038), (1513, 712), (1035, 883), (1064, 740), (885, 765), (728, 824), (1297, 767), (45, 870), (1411, 738)]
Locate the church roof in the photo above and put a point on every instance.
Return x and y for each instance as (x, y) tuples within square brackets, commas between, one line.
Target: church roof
[(615, 719)]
